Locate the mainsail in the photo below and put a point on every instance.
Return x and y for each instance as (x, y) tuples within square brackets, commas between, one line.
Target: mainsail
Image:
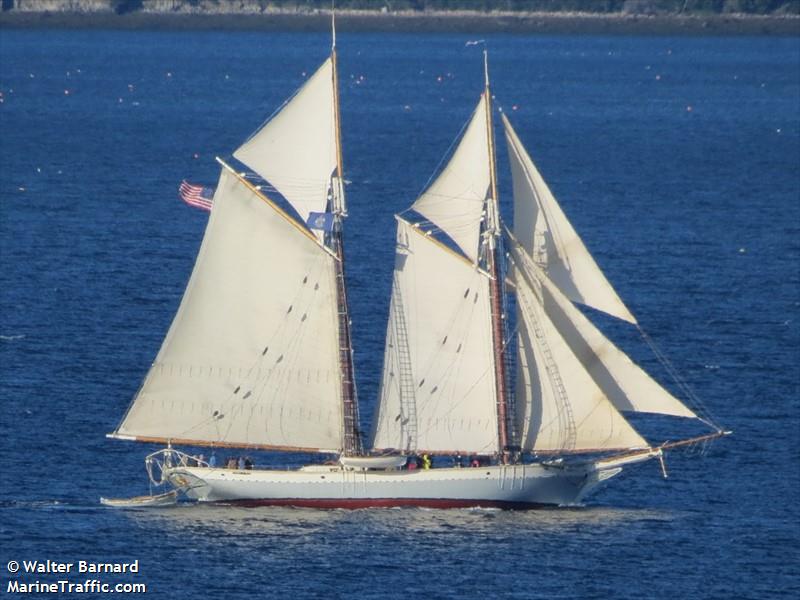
[(437, 391), (251, 357)]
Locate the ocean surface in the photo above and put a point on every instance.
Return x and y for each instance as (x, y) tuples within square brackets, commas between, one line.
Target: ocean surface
[(678, 161)]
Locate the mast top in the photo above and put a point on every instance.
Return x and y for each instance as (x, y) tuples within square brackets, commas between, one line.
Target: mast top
[(486, 68), (333, 25), (493, 212)]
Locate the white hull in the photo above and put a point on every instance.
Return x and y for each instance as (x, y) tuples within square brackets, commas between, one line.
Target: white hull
[(511, 486)]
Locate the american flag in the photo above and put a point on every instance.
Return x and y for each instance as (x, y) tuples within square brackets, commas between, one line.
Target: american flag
[(196, 195)]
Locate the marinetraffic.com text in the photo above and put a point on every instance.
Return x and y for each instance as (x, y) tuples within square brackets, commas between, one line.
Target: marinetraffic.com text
[(79, 577)]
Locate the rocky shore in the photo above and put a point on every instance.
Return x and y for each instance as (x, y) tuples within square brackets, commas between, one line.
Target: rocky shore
[(254, 15)]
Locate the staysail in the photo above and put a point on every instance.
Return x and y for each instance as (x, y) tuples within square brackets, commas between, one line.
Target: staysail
[(437, 390), (547, 235), (295, 151), (559, 406), (252, 356), (623, 382)]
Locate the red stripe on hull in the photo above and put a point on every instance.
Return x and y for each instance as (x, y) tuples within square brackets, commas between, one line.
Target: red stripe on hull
[(355, 503)]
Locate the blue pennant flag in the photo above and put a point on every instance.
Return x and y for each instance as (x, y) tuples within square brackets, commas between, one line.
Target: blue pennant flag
[(320, 220)]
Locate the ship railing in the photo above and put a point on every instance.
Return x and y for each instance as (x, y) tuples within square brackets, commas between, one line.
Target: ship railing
[(157, 463)]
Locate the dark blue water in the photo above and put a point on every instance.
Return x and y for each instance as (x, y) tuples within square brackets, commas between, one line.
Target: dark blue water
[(678, 159)]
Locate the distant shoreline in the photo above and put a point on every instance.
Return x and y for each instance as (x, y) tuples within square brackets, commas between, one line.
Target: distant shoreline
[(408, 22)]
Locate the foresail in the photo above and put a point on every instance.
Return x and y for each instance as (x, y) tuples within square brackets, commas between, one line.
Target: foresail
[(559, 406), (437, 392), (296, 150), (547, 235), (455, 200), (623, 382), (251, 357)]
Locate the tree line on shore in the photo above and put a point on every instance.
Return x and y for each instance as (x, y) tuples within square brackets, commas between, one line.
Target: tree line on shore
[(598, 7)]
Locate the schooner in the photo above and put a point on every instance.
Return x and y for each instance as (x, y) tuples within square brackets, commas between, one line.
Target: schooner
[(259, 354)]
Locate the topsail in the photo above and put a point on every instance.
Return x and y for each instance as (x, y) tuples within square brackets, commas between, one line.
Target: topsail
[(295, 151), (455, 201)]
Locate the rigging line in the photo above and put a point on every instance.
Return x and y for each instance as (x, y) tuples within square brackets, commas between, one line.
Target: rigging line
[(455, 222), (307, 182), (289, 350), (198, 425), (281, 386), (446, 156), (468, 193), (278, 210), (257, 387), (283, 323), (292, 357), (465, 394), (281, 107), (221, 437), (458, 403), (705, 413), (398, 356), (434, 240), (534, 318), (534, 315), (462, 316), (299, 182), (706, 417)]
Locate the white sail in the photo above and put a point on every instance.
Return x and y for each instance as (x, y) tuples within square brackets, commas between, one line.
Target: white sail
[(296, 150), (455, 200), (251, 357), (438, 389), (559, 406), (547, 235), (623, 382)]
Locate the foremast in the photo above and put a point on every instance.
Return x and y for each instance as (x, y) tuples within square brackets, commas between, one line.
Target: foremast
[(353, 445), (492, 233)]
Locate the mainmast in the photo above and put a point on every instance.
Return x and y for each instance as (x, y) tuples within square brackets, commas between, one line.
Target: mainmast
[(352, 437), (493, 258)]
